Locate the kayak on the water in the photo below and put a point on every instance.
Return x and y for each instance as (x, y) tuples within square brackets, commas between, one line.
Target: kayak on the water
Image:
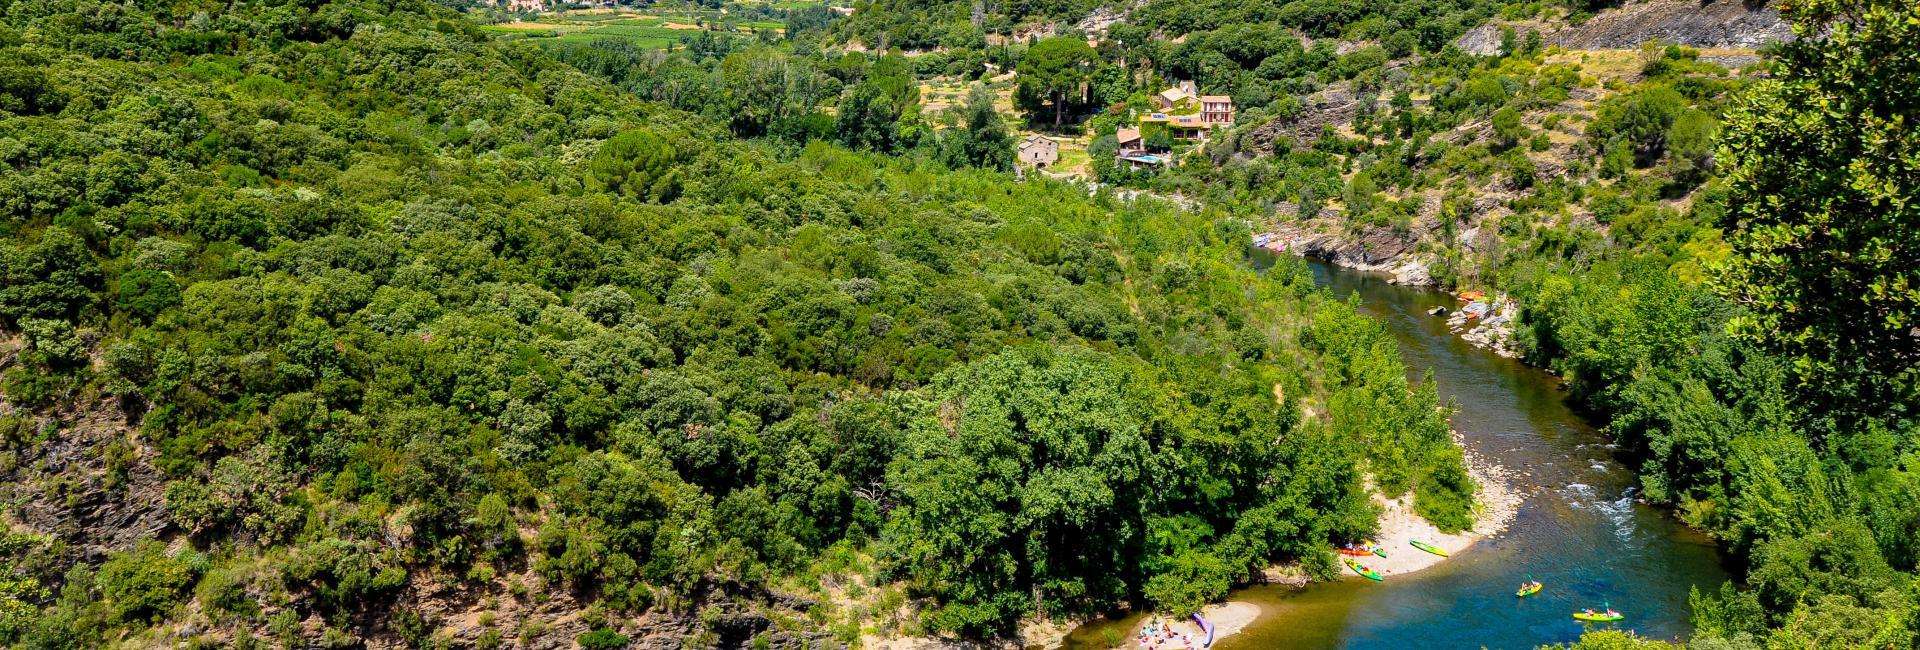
[(1608, 616), (1362, 569), (1428, 547), (1529, 589)]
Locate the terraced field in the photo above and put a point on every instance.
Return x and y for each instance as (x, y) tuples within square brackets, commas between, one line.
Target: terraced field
[(643, 30)]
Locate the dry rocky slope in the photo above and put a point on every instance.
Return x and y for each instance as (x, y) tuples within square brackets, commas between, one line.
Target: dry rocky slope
[(1407, 253), (1714, 24)]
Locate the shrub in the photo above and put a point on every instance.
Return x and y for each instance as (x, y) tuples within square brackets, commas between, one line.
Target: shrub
[(145, 582)]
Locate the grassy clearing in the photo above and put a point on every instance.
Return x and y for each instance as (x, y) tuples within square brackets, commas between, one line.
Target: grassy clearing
[(1074, 159), (941, 95), (1603, 66)]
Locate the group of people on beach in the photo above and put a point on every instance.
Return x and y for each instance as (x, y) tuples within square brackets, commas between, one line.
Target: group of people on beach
[(1160, 635)]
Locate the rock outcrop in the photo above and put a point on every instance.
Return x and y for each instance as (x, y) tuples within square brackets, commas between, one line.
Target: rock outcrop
[(89, 482), (1333, 107), (1488, 324), (1480, 41), (1374, 249), (1714, 23)]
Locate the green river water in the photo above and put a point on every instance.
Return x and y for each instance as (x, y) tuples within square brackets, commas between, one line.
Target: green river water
[(1580, 529)]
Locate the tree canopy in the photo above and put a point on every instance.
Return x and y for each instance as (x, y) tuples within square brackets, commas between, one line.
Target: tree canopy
[(1056, 70), (374, 323)]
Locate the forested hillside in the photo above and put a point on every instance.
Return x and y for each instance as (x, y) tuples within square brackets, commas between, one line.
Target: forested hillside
[(343, 323)]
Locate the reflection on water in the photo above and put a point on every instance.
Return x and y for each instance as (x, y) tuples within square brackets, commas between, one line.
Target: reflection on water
[(1580, 530)]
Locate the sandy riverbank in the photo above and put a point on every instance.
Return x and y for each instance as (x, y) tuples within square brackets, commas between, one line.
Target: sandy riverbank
[(1496, 504), (1228, 618)]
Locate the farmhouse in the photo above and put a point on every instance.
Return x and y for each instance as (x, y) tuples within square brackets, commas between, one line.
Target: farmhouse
[(1039, 151)]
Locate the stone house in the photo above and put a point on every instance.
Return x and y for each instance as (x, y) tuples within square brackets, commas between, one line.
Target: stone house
[(1039, 151)]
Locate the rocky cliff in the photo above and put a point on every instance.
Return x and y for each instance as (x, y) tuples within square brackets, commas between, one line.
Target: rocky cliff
[(1711, 24)]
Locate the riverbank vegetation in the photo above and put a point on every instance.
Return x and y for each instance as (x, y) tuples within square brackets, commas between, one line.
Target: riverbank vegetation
[(349, 323), (1700, 249), (1706, 257), (1775, 402)]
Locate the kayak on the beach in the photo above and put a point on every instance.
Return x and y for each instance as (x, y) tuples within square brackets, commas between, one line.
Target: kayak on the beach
[(1608, 616), (1205, 626), (1529, 589), (1363, 549), (1428, 547), (1362, 569)]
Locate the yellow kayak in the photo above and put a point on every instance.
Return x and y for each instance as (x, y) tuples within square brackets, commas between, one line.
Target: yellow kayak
[(1362, 569), (1529, 589)]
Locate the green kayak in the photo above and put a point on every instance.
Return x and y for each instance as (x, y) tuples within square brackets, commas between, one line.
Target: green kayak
[(1608, 616), (1364, 572), (1529, 589), (1428, 548)]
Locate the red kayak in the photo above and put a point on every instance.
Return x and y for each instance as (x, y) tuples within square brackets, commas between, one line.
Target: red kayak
[(1356, 552)]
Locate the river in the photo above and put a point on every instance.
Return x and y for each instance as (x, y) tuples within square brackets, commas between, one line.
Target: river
[(1580, 530)]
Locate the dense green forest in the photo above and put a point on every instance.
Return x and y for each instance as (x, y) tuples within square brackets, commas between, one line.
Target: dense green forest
[(351, 322), (329, 323)]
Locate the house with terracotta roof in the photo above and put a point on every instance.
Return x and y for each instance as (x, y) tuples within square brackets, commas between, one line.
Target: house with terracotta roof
[(1130, 142), (1132, 150)]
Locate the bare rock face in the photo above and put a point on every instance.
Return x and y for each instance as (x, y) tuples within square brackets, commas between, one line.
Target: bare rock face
[(1712, 23), (1096, 23), (91, 483), (1331, 107), (1480, 41)]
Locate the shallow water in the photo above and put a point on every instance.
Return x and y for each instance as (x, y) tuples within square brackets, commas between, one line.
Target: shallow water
[(1579, 530)]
